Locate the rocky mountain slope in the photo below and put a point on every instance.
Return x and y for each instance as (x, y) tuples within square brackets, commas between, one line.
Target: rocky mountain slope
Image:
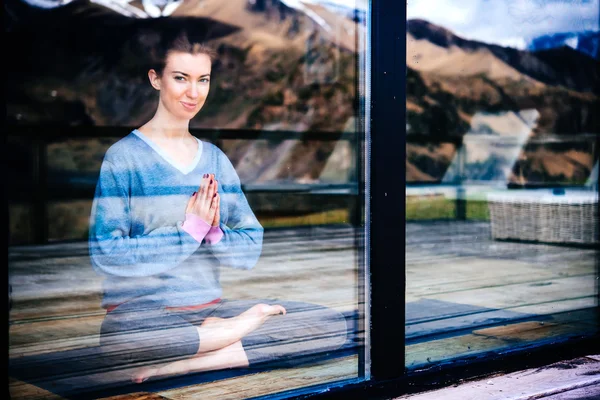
[(293, 69), (450, 80)]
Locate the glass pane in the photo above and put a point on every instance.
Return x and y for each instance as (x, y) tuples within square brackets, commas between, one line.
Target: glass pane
[(502, 177), (153, 250)]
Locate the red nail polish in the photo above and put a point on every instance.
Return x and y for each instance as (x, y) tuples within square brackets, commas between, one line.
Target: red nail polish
[(193, 194), (211, 181), (215, 195)]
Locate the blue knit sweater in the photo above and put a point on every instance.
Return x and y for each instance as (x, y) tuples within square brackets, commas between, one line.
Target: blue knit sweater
[(136, 239)]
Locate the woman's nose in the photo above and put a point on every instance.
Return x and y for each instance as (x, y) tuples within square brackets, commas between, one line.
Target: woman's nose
[(193, 91)]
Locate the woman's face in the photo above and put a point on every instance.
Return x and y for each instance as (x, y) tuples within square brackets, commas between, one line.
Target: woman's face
[(184, 83)]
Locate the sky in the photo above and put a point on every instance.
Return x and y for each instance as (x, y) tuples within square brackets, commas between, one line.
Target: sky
[(508, 22), (504, 22)]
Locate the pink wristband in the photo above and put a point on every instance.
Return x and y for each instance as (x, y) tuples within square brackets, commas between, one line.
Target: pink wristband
[(214, 235), (195, 226)]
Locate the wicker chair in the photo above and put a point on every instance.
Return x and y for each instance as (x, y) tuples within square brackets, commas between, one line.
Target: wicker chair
[(542, 216)]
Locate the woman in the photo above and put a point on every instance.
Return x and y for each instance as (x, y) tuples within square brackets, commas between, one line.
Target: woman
[(168, 212)]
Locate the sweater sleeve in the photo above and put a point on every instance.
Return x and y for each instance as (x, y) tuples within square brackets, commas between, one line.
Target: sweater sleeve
[(113, 251), (241, 243)]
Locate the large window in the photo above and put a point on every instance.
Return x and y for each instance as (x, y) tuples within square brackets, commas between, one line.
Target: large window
[(502, 177), (468, 132), (92, 317)]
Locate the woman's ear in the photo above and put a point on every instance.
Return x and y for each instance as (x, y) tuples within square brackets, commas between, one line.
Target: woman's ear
[(154, 79)]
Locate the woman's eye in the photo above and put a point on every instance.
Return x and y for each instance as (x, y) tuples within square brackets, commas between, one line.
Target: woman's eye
[(204, 80), (179, 78)]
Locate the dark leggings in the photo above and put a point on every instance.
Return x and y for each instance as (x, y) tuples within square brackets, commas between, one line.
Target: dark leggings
[(142, 331)]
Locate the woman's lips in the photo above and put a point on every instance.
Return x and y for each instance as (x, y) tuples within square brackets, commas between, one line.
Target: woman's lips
[(189, 106)]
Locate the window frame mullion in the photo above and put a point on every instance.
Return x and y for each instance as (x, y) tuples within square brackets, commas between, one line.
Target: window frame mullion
[(387, 188)]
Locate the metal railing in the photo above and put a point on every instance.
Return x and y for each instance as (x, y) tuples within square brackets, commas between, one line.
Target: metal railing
[(81, 185), (41, 190)]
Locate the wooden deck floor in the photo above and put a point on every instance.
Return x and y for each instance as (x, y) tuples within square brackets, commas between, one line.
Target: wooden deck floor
[(466, 294)]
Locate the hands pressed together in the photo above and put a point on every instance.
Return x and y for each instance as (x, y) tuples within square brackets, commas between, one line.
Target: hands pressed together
[(205, 203)]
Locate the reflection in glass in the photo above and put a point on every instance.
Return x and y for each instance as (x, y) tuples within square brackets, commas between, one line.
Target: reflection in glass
[(150, 303), (502, 182)]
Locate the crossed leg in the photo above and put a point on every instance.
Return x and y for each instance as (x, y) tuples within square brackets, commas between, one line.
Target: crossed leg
[(220, 344), (233, 334)]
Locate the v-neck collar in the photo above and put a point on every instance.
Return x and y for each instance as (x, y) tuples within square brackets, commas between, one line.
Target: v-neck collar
[(181, 168)]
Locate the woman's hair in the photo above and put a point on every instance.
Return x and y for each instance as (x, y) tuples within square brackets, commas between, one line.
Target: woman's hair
[(181, 42)]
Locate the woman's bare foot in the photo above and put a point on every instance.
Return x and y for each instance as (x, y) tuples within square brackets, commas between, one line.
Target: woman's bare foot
[(220, 344), (263, 311), (145, 373), (232, 356), (216, 333)]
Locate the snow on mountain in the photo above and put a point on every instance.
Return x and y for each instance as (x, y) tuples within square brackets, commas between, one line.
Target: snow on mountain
[(586, 42), (352, 9)]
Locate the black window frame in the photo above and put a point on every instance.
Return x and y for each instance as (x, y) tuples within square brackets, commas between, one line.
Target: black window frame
[(386, 197), (386, 150)]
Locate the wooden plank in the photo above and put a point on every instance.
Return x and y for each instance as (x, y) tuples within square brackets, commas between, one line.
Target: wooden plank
[(262, 384), (290, 258), (136, 396), (52, 346), (559, 306), (535, 383), (319, 265), (460, 275), (530, 330), (336, 287), (463, 323), (55, 329), (42, 321), (586, 392), (20, 391), (234, 388), (274, 261), (472, 238), (65, 306), (335, 292), (428, 353), (510, 336), (521, 294)]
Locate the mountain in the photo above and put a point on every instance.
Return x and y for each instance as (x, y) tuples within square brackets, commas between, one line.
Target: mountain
[(452, 82), (449, 79), (284, 68), (586, 42), (277, 68), (281, 23), (354, 10), (444, 52)]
